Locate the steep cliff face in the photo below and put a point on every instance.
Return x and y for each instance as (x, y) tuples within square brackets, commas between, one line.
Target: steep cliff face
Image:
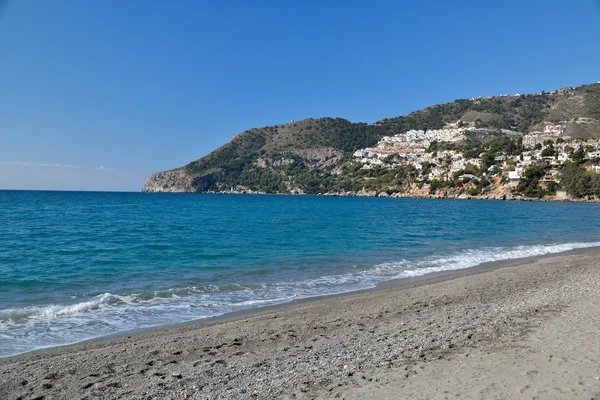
[(180, 181)]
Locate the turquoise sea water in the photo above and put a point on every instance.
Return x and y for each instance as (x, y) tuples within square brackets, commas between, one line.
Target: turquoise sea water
[(77, 265)]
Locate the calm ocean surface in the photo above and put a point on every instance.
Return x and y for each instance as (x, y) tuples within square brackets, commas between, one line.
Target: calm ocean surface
[(79, 265)]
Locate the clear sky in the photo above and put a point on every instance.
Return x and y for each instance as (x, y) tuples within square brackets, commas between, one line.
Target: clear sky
[(96, 95)]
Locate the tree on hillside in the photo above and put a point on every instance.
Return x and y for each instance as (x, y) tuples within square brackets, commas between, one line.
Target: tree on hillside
[(529, 183), (549, 151), (579, 182), (578, 156)]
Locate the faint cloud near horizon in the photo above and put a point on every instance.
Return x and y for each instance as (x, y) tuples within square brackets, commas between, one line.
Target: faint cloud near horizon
[(38, 164), (54, 165), (103, 168), (57, 176)]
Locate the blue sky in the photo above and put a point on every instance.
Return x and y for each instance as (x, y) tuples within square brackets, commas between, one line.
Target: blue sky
[(96, 95)]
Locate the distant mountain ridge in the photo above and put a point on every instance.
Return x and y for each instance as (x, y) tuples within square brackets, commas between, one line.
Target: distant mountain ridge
[(315, 156)]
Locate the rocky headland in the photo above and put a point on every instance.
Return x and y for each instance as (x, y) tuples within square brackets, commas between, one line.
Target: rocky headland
[(538, 146)]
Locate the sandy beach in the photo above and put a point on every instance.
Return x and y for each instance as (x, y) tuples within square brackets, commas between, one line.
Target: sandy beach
[(527, 331)]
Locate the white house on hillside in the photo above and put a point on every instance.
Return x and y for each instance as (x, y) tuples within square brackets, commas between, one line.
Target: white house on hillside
[(554, 129)]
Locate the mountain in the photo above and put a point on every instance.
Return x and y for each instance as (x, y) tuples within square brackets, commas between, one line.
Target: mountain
[(322, 156)]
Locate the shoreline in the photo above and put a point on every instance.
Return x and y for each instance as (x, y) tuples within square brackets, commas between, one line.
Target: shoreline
[(398, 283), (348, 344), (398, 195)]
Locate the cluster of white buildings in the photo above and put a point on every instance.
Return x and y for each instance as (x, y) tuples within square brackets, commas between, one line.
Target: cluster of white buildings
[(532, 140), (410, 148), (440, 135), (551, 132), (448, 162)]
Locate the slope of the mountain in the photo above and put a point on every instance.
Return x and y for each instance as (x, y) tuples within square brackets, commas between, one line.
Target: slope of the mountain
[(316, 155)]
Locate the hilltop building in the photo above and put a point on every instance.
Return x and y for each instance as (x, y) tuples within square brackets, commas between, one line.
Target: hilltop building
[(554, 129)]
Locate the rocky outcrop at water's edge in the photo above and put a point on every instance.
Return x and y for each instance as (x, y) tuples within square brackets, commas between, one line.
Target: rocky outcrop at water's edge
[(178, 181)]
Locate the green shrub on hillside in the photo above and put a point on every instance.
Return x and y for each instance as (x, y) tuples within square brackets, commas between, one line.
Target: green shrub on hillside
[(579, 182), (529, 183)]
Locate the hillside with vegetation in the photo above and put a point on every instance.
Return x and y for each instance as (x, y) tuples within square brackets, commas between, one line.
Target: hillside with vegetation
[(415, 155)]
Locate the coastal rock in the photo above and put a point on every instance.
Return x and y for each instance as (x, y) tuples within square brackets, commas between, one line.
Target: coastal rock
[(179, 181), (274, 162), (366, 193)]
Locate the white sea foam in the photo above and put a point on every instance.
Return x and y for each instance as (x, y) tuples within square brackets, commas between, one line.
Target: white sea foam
[(370, 277), (31, 328), (53, 310), (264, 301), (472, 258)]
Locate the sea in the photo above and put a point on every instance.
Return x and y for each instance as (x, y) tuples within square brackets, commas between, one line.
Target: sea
[(81, 265)]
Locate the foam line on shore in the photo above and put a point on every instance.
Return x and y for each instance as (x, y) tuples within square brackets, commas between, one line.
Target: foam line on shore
[(108, 314)]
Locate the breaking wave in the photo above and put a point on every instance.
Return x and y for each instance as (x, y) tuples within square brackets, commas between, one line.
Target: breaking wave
[(30, 328)]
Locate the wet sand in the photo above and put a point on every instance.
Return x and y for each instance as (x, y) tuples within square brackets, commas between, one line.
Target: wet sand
[(530, 331)]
